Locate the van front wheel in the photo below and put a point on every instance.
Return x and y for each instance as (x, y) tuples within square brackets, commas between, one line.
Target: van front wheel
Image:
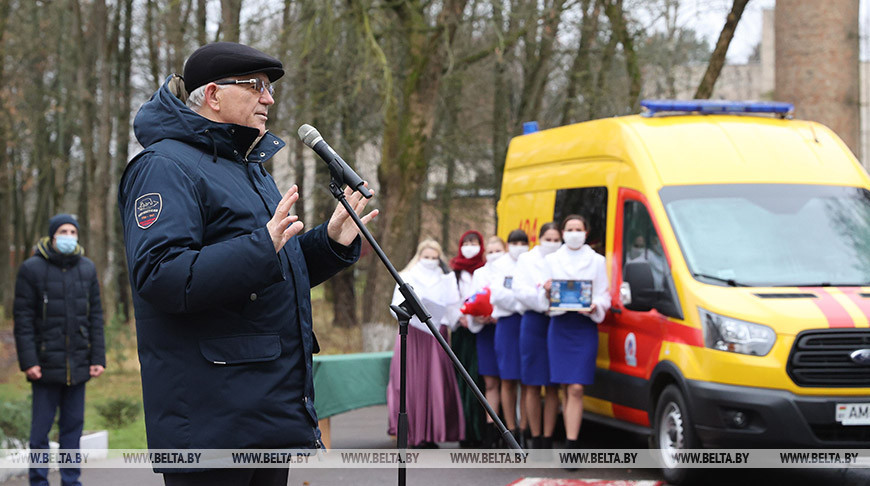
[(673, 432)]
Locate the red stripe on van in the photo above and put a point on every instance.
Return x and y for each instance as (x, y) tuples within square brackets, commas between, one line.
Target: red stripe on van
[(679, 333), (854, 294), (834, 312), (632, 415)]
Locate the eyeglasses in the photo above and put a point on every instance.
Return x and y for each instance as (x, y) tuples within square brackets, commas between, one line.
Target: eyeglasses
[(259, 84)]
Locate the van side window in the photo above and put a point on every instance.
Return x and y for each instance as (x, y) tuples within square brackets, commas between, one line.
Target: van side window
[(589, 202), (641, 243)]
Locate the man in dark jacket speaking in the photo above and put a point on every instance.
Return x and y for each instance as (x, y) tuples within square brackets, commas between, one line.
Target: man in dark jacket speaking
[(221, 275), (58, 337)]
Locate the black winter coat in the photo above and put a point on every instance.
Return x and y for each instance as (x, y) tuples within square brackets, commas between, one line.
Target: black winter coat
[(58, 315), (223, 323)]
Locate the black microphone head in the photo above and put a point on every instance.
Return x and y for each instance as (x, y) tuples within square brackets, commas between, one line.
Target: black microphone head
[(309, 135)]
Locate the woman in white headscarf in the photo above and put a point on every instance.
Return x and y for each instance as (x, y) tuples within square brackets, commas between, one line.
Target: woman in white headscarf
[(433, 402)]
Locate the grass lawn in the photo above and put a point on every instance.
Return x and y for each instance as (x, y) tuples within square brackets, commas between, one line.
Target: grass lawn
[(98, 391)]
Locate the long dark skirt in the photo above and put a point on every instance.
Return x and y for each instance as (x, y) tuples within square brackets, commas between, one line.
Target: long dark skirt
[(464, 344), (434, 409)]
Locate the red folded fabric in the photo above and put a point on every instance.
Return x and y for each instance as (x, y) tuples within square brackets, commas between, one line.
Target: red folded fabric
[(478, 304)]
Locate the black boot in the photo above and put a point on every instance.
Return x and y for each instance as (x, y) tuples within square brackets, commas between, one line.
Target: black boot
[(533, 447), (518, 436), (545, 446), (571, 444), (546, 442), (491, 437)]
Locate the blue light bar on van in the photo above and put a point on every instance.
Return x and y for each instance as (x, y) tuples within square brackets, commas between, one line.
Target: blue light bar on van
[(707, 107), (530, 127)]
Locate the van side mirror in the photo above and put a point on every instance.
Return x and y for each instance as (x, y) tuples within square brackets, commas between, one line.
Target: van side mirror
[(639, 277)]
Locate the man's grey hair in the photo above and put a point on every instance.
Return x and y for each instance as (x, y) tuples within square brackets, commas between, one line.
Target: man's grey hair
[(195, 99)]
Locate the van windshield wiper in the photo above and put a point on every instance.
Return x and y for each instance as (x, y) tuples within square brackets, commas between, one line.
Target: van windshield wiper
[(729, 281), (826, 284)]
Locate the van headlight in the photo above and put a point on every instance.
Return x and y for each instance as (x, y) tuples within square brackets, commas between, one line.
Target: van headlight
[(729, 334)]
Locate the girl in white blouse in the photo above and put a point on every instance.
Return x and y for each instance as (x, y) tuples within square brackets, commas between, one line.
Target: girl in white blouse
[(508, 312), (572, 338), (529, 280), (484, 327)]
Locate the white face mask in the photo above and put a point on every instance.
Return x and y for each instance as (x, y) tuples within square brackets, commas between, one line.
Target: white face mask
[(470, 251), (574, 239), (494, 256), (517, 250), (428, 263), (635, 252), (548, 247)]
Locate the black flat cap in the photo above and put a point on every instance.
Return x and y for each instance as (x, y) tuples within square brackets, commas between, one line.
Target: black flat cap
[(219, 60)]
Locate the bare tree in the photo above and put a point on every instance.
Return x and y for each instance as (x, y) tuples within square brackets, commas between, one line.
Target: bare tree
[(580, 76), (717, 60), (616, 14), (231, 16), (6, 276), (420, 53)]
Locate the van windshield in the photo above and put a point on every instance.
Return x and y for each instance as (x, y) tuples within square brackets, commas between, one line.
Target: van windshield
[(771, 235)]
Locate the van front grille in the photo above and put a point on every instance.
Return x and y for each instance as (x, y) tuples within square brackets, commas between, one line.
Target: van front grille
[(839, 433), (821, 358)]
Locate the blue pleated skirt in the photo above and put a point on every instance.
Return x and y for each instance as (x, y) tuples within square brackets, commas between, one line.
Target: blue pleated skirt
[(573, 345), (534, 358), (487, 365), (507, 346)]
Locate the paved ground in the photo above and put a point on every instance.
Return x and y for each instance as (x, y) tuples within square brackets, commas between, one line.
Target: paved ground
[(365, 429)]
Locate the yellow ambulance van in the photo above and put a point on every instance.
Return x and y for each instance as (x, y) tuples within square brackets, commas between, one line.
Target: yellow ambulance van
[(737, 242)]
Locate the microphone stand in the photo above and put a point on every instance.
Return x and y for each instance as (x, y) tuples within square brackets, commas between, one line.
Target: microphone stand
[(412, 306)]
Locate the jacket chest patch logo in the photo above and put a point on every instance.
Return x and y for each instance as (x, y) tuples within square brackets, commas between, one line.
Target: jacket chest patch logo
[(147, 209)]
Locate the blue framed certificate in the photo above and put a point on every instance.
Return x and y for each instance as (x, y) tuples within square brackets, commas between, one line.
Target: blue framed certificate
[(571, 295)]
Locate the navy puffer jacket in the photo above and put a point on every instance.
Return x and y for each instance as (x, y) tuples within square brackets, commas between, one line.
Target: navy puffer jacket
[(58, 316), (223, 322)]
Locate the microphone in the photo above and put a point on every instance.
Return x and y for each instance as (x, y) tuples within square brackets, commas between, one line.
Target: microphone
[(339, 169)]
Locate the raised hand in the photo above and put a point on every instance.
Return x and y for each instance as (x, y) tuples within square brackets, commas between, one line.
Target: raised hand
[(341, 227), (283, 225)]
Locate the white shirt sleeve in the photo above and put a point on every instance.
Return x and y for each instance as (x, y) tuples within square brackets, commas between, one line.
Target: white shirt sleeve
[(601, 291)]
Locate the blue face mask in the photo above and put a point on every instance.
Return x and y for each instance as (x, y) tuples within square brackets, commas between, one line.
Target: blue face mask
[(66, 244)]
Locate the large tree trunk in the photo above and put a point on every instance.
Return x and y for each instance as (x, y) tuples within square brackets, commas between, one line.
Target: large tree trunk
[(122, 293), (817, 66), (102, 220), (580, 77), (407, 129), (616, 14), (717, 59), (231, 13), (201, 39), (176, 26), (152, 40), (91, 30), (501, 106), (6, 243)]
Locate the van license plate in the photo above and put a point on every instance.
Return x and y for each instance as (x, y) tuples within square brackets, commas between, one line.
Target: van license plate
[(853, 413)]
